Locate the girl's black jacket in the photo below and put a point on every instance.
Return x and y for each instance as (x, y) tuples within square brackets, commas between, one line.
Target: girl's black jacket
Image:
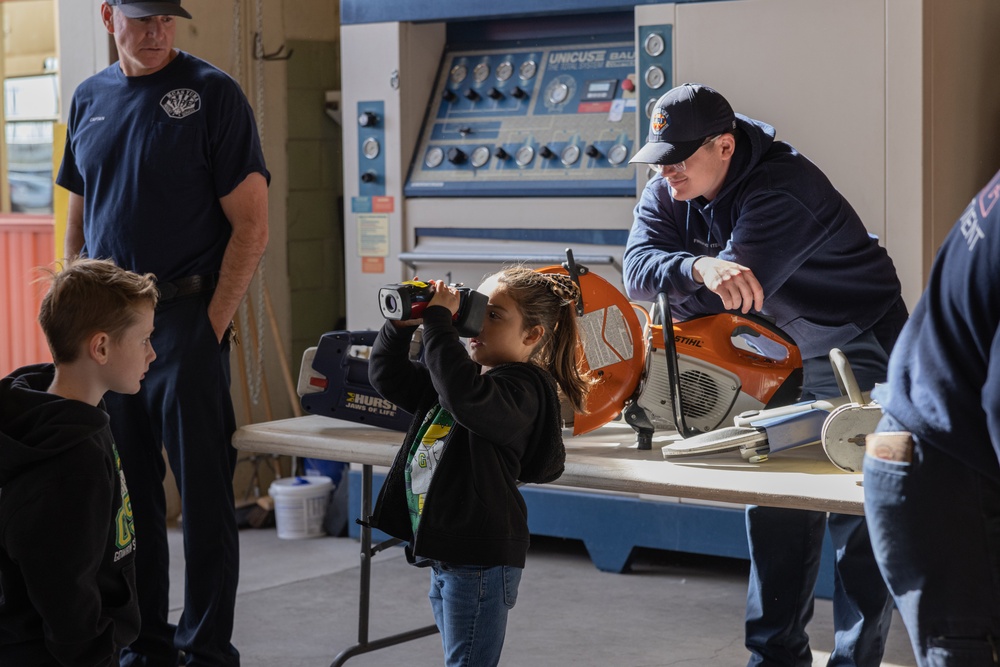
[(507, 429)]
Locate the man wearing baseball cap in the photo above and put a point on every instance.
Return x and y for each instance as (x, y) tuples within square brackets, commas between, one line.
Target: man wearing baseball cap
[(735, 220), (166, 175)]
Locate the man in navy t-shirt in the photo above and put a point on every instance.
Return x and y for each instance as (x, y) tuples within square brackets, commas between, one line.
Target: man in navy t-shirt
[(932, 472), (166, 175)]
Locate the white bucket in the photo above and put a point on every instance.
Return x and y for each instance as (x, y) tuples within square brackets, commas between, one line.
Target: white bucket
[(299, 505)]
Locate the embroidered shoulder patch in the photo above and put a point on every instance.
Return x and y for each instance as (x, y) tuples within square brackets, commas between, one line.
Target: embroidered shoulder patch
[(181, 102)]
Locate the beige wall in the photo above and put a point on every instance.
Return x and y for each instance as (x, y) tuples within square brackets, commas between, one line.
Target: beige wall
[(962, 53), (29, 37)]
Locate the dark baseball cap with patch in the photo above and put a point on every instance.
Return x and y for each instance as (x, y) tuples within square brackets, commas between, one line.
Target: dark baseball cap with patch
[(683, 118), (135, 9)]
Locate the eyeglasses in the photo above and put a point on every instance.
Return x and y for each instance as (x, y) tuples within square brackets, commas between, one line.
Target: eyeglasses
[(682, 165)]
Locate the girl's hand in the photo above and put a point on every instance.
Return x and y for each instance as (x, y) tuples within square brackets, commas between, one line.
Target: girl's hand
[(445, 295)]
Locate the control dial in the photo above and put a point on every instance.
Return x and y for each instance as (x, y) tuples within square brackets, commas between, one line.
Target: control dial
[(655, 77), (545, 152), (524, 155), (504, 70), (456, 155), (448, 95), (518, 92), (494, 94), (500, 153), (480, 72), (371, 148), (480, 157), (558, 92), (617, 154), (367, 119), (434, 157), (592, 151), (369, 177), (654, 44), (471, 95), (570, 154), (458, 73), (527, 69)]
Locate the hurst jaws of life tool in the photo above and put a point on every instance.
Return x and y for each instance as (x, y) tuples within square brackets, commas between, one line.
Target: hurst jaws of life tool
[(333, 377)]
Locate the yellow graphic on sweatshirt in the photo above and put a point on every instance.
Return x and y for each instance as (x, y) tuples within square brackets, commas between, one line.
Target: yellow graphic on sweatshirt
[(124, 523)]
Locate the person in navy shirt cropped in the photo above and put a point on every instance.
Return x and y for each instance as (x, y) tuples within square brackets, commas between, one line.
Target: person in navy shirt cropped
[(166, 176), (932, 472)]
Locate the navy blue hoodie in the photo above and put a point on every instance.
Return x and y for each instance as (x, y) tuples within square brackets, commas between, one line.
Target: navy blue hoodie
[(944, 373), (825, 278), (67, 545)]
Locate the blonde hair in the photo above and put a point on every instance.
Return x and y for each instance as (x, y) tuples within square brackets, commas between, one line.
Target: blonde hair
[(88, 296), (548, 300)]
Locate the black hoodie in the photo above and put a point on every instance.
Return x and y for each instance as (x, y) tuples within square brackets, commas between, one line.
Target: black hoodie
[(507, 429), (67, 545)]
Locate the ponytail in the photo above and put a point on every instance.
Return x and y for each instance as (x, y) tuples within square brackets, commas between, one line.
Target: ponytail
[(548, 300)]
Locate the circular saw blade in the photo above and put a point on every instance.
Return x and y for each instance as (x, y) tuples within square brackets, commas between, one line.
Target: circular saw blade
[(719, 440)]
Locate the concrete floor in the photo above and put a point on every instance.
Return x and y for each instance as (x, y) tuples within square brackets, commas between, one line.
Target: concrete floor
[(297, 606)]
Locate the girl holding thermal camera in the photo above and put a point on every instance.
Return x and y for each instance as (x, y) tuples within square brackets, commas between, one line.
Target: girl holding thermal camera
[(485, 419)]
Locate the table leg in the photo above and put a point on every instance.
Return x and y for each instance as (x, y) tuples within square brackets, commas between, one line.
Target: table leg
[(364, 599)]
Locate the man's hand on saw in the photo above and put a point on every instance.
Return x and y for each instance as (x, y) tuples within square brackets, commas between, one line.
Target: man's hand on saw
[(735, 284)]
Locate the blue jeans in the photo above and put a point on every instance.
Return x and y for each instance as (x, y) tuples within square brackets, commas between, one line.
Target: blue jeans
[(785, 547), (470, 605), (935, 526)]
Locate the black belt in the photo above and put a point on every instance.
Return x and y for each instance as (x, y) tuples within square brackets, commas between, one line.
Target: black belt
[(187, 286)]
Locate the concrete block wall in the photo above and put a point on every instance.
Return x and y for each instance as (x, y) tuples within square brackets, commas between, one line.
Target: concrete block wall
[(315, 193)]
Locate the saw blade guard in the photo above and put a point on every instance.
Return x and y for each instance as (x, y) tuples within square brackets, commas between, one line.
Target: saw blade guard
[(612, 348)]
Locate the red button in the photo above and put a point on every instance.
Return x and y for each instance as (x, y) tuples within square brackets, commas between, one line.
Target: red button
[(627, 85)]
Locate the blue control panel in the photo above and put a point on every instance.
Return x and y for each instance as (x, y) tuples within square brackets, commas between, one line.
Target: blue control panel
[(655, 69), (371, 153), (547, 120)]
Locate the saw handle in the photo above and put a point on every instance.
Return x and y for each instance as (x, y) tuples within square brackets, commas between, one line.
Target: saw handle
[(846, 382)]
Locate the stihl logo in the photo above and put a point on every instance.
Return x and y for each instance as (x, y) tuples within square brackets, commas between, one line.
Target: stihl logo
[(684, 340)]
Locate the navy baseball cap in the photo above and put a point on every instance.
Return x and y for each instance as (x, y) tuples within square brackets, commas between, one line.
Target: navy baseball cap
[(136, 9), (683, 118)]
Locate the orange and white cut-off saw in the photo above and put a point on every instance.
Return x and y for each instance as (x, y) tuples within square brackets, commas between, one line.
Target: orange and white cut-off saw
[(696, 380)]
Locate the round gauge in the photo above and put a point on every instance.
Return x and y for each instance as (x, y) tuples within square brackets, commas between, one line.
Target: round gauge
[(434, 157), (558, 93), (504, 70), (617, 154), (527, 69), (655, 77), (458, 73), (570, 154), (371, 148), (480, 72), (650, 107), (480, 156), (524, 155), (654, 44)]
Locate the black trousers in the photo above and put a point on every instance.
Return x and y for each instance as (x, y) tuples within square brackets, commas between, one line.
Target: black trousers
[(185, 406)]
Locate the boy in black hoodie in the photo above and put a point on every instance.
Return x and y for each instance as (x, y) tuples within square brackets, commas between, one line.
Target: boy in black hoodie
[(67, 543)]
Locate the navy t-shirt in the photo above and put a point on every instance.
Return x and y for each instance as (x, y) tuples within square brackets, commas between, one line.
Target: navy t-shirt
[(944, 373), (151, 156)]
